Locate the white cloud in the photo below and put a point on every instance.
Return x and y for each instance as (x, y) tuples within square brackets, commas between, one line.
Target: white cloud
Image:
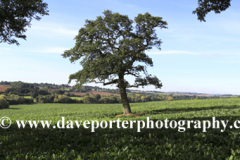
[(59, 30), (211, 55), (230, 62), (58, 50), (52, 50), (54, 28)]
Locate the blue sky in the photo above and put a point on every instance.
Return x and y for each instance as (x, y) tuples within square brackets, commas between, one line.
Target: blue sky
[(196, 56)]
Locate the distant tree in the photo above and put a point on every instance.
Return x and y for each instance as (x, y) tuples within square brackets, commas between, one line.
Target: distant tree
[(60, 92), (206, 6), (97, 96), (111, 47), (20, 84), (16, 15), (34, 94), (88, 99), (3, 102), (170, 98), (104, 100), (43, 92)]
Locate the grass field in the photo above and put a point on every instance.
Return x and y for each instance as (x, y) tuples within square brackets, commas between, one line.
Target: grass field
[(29, 97), (77, 98), (117, 143)]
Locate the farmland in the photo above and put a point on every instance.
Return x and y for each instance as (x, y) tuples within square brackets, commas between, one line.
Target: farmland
[(117, 143), (4, 87)]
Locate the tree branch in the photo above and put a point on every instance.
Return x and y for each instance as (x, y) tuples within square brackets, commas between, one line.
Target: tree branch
[(129, 73), (111, 82)]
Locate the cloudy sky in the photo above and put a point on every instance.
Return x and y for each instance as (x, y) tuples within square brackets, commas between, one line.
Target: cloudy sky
[(196, 56)]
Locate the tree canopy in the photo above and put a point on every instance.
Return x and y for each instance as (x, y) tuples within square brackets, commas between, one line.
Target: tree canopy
[(111, 47), (16, 15), (206, 6)]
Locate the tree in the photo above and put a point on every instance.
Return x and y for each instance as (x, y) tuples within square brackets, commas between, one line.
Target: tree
[(111, 48), (206, 6), (97, 96), (16, 15), (60, 92)]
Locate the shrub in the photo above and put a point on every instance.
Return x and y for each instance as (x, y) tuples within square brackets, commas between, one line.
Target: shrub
[(88, 99), (3, 103), (97, 96), (43, 92), (34, 94), (113, 99), (45, 99), (15, 99), (170, 98), (105, 100), (63, 99), (59, 92)]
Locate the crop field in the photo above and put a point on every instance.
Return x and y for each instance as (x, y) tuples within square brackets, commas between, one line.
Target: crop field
[(4, 87), (114, 143)]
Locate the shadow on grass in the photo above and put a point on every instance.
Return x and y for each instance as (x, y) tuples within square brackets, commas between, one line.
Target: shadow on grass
[(9, 108), (119, 143), (189, 109)]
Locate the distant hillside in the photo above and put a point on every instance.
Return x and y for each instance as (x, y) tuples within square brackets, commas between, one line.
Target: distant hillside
[(4, 87), (81, 91)]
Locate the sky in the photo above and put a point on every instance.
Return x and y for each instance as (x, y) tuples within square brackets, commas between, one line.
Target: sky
[(195, 56)]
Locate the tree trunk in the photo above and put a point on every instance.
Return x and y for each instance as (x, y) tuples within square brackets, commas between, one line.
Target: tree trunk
[(125, 103)]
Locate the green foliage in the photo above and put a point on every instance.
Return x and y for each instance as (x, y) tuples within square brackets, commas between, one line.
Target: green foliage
[(112, 39), (206, 6), (170, 98), (97, 96), (55, 99), (34, 94), (20, 84), (3, 102), (19, 91), (15, 99), (104, 100), (43, 92), (112, 46), (58, 92), (110, 99), (89, 99), (22, 89), (16, 15), (63, 99), (45, 99)]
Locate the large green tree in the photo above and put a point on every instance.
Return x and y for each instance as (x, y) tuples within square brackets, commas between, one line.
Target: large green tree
[(114, 46), (206, 6), (16, 16)]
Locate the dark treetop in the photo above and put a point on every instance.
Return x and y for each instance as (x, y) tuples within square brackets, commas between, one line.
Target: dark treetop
[(16, 15), (205, 6)]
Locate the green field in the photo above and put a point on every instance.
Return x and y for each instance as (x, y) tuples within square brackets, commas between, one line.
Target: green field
[(77, 98), (29, 97), (121, 144)]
